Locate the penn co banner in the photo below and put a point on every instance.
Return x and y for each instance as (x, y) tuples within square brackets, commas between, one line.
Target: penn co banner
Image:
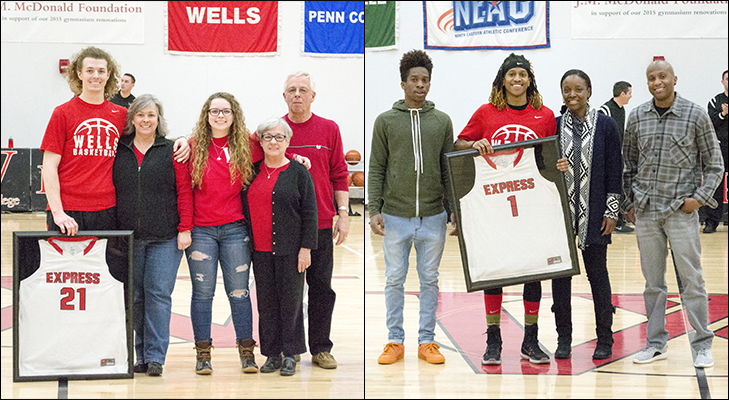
[(225, 28), (650, 19), (333, 28), (381, 29), (108, 22), (486, 25)]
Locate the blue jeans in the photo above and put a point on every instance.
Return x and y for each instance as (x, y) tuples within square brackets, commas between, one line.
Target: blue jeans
[(428, 236), (155, 272), (228, 244), (682, 231)]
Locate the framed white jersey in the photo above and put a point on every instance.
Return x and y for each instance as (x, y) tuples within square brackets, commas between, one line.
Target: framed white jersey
[(72, 321), (511, 215)]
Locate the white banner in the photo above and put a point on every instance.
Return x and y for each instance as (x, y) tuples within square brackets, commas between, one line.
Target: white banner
[(108, 22), (649, 19), (481, 25)]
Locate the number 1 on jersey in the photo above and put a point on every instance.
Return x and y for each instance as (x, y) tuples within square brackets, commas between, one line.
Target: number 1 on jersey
[(514, 210)]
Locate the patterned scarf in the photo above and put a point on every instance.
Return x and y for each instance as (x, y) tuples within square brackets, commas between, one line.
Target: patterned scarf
[(576, 138)]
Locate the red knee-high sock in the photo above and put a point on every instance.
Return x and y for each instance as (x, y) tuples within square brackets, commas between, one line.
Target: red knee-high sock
[(492, 302), (531, 312)]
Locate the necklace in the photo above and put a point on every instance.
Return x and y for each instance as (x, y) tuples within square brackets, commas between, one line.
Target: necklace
[(218, 147), (270, 173)]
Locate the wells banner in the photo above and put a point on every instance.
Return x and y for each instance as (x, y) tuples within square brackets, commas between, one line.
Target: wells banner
[(222, 27), (333, 28), (649, 19), (107, 22), (486, 25), (382, 25)]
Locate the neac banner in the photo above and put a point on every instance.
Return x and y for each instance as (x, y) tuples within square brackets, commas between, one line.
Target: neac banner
[(382, 25), (649, 19), (225, 28), (108, 22), (333, 28), (486, 25)]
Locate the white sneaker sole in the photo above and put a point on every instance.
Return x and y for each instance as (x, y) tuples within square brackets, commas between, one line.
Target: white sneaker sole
[(661, 356)]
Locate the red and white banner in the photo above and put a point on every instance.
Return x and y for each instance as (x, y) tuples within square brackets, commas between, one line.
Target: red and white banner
[(228, 28)]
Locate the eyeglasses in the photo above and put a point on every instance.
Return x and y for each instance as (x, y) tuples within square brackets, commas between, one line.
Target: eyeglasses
[(268, 138), (214, 112)]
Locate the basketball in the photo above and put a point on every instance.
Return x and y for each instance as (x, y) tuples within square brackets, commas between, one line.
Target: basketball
[(349, 180), (353, 157), (358, 178)]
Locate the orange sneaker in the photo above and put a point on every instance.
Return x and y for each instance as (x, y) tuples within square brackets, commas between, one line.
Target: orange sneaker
[(429, 352), (391, 353)]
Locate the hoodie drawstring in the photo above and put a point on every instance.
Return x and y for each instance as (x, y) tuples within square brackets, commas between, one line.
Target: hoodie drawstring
[(417, 153)]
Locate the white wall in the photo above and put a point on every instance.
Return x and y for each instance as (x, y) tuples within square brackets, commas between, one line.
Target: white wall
[(32, 86), (461, 80)]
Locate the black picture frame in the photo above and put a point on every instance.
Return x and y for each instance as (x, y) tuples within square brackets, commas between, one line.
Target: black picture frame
[(119, 258), (461, 170)]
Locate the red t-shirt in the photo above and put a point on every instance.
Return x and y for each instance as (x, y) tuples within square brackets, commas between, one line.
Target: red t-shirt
[(509, 125), (259, 202), (86, 136), (216, 201)]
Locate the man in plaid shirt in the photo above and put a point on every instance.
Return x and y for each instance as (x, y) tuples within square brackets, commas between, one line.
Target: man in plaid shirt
[(667, 140)]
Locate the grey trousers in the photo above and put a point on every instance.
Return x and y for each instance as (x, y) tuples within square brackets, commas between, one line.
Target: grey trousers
[(682, 231)]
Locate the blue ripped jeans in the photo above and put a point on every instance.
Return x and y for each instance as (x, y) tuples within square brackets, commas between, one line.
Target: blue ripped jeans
[(228, 244)]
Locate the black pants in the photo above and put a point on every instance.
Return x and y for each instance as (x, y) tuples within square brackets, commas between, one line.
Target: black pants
[(279, 291), (532, 291), (321, 295), (595, 258), (103, 220)]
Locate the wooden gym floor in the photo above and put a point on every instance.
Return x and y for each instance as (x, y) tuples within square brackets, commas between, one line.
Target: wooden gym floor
[(179, 379), (461, 326), (359, 333)]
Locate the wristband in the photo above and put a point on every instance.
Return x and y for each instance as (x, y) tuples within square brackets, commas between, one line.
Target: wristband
[(343, 208)]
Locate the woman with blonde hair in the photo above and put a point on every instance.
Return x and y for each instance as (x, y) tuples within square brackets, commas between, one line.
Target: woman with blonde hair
[(220, 168)]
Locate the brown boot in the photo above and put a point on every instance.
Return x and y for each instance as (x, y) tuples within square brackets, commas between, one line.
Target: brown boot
[(203, 366), (247, 359)]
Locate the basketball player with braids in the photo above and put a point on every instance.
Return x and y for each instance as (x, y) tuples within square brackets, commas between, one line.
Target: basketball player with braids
[(80, 144), (407, 186), (514, 113), (220, 168)]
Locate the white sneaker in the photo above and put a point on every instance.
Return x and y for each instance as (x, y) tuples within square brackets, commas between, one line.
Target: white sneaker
[(704, 359), (650, 354)]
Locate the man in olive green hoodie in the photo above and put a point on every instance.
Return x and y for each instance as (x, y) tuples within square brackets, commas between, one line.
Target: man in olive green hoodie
[(407, 188)]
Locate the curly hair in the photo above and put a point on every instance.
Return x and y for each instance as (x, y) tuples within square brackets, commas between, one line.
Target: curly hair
[(412, 59), (498, 90), (240, 154), (76, 65), (140, 103)]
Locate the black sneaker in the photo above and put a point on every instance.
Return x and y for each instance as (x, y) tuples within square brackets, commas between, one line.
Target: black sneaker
[(709, 228), (271, 364), (624, 229), (289, 366), (492, 356), (530, 346), (154, 369), (140, 367)]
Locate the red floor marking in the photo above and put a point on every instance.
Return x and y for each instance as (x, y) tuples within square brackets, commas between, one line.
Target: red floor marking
[(463, 317), (7, 282), (721, 333)]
